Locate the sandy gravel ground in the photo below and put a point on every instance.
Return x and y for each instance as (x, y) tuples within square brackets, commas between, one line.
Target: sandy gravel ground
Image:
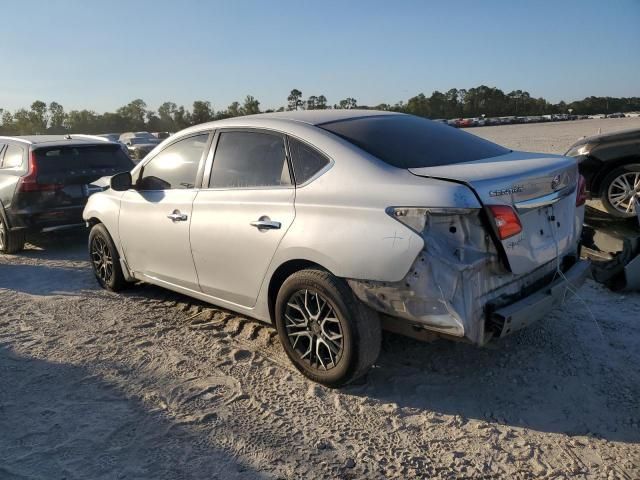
[(149, 384)]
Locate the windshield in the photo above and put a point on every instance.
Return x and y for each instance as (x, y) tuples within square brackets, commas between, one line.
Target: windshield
[(406, 141)]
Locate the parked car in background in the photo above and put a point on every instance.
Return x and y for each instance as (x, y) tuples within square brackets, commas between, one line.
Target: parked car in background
[(139, 144), (325, 221), (112, 137), (616, 115), (45, 182), (610, 164), (161, 135)]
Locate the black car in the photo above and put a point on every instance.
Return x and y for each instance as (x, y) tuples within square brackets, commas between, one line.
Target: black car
[(44, 182), (610, 164)]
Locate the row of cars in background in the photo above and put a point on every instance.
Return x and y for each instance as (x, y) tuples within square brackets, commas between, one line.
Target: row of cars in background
[(509, 120)]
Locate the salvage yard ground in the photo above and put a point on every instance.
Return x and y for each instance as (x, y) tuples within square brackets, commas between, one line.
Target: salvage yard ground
[(150, 384)]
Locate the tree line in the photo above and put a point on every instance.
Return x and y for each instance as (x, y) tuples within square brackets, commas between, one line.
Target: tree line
[(52, 118)]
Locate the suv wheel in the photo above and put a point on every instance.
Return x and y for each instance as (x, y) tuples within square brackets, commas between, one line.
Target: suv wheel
[(621, 191), (329, 335), (10, 241), (105, 259)]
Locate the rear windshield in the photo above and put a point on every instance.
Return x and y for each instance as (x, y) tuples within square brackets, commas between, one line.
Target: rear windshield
[(61, 159), (406, 141)]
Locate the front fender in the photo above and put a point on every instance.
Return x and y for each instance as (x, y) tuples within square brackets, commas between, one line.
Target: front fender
[(104, 207)]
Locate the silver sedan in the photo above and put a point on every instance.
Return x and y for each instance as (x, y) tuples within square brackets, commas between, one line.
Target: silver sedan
[(337, 224)]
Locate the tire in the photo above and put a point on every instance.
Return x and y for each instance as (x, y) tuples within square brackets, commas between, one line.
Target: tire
[(10, 241), (330, 300), (612, 191), (105, 259)]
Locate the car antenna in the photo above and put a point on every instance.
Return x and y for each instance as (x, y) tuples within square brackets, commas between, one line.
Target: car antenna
[(67, 137)]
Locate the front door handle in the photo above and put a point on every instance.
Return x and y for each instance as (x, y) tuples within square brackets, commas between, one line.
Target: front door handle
[(265, 223), (176, 216)]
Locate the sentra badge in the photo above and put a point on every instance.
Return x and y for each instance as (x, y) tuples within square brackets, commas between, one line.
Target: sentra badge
[(507, 191)]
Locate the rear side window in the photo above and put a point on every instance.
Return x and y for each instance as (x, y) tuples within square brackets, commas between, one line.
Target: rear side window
[(78, 158), (249, 159), (176, 166), (13, 157), (406, 141), (306, 160)]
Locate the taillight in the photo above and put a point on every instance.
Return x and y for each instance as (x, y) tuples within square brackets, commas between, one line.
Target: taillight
[(581, 196), (506, 220), (29, 182)]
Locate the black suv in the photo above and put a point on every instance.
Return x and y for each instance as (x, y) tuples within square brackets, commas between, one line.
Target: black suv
[(44, 182)]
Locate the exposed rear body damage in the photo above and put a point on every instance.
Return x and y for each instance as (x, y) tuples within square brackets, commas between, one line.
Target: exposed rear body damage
[(465, 278)]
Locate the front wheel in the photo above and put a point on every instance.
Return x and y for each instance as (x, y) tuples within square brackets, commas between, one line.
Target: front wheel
[(621, 191), (105, 259), (328, 334)]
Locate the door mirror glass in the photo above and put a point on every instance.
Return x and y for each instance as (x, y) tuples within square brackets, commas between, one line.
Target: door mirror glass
[(121, 182)]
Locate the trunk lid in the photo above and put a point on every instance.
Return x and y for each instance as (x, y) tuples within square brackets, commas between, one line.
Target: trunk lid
[(542, 190)]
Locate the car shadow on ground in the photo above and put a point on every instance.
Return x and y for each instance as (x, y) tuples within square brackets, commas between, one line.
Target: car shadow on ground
[(94, 430), (534, 379)]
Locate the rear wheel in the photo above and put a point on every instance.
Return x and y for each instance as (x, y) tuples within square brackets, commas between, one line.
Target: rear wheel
[(105, 259), (621, 191), (329, 335), (10, 241)]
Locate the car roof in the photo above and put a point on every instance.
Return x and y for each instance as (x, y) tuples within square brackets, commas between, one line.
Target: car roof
[(318, 117), (289, 119), (57, 140)]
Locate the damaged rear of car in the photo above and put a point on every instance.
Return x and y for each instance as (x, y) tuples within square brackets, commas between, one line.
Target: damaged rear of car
[(499, 256)]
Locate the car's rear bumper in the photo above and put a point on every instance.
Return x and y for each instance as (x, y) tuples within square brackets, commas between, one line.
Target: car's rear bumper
[(515, 316), (32, 220)]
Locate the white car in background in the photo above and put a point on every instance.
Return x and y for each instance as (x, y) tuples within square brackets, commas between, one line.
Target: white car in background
[(332, 224)]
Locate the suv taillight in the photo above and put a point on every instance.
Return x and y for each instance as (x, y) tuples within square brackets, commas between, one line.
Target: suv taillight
[(506, 220), (29, 182), (581, 196)]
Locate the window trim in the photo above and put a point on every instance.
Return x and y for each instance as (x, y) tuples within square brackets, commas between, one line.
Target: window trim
[(320, 172), (214, 146), (198, 182)]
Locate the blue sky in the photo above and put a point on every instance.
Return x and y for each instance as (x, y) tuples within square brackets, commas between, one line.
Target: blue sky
[(100, 54)]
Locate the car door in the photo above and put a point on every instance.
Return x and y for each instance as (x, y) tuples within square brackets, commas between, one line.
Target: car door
[(239, 220), (155, 215)]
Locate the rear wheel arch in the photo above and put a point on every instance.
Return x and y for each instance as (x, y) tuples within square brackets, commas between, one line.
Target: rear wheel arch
[(279, 276)]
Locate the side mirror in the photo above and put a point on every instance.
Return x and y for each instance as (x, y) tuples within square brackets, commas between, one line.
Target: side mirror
[(121, 182)]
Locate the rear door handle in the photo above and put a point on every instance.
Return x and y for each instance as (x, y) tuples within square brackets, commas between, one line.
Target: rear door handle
[(265, 224), (176, 216)]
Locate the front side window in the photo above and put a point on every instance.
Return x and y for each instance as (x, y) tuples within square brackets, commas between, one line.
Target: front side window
[(248, 160), (175, 167), (306, 160), (13, 157)]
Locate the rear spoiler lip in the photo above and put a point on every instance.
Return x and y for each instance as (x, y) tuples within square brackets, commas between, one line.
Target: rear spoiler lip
[(548, 199)]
